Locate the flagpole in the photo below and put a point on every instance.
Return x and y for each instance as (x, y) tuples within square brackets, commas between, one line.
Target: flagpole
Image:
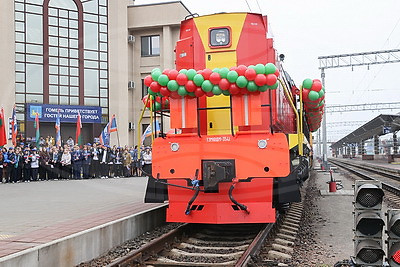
[(118, 138)]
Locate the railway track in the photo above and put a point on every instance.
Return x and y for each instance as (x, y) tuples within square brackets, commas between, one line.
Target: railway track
[(220, 245), (390, 178)]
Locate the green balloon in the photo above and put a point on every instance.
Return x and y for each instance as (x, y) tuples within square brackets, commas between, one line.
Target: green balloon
[(191, 94), (270, 68), (251, 86), (241, 82), (150, 92), (163, 80), (216, 70), (321, 93), (307, 83), (273, 87), (216, 90), (155, 69), (312, 95), (159, 94), (252, 67), (260, 69), (182, 91), (172, 85), (263, 88), (198, 79), (232, 76), (183, 71), (157, 106), (207, 86), (226, 92), (190, 74), (223, 72), (155, 75)]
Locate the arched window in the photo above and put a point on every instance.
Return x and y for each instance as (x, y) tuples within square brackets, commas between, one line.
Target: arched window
[(63, 39)]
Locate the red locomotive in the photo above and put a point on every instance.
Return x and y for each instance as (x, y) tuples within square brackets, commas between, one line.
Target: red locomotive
[(239, 139)]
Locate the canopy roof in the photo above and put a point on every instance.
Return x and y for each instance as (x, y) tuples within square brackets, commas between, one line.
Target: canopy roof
[(382, 124)]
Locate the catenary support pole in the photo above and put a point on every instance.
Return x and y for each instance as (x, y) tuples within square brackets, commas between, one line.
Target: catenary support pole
[(324, 144)]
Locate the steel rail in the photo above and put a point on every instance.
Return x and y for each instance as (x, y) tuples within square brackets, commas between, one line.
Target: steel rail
[(154, 246), (386, 186), (257, 244)]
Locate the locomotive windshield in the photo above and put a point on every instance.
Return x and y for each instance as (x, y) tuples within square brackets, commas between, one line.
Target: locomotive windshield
[(219, 37)]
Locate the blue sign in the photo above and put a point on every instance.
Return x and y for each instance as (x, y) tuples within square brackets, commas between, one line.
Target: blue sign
[(48, 113), (387, 129)]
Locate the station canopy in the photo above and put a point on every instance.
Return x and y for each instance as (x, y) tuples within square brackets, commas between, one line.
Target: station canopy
[(381, 125)]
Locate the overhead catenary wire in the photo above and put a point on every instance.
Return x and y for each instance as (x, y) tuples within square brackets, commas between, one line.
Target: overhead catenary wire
[(248, 5)]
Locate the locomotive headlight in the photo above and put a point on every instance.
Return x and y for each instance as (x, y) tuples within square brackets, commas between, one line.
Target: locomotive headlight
[(174, 147), (262, 143)]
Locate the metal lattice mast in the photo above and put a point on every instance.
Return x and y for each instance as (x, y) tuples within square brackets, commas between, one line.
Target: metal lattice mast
[(362, 107), (351, 60)]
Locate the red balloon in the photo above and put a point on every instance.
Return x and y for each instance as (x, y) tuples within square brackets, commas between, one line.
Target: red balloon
[(144, 99), (155, 87), (181, 79), (250, 74), (158, 99), (244, 91), (164, 91), (166, 71), (209, 94), (241, 69), (199, 72), (277, 73), (271, 79), (233, 68), (198, 92), (148, 80), (215, 78), (234, 89), (206, 73), (316, 85), (190, 86), (174, 95), (224, 84), (172, 74), (305, 94), (260, 80)]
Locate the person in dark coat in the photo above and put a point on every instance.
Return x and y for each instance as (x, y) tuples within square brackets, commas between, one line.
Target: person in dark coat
[(104, 160), (10, 166), (27, 165), (95, 164), (77, 159), (19, 161), (86, 159)]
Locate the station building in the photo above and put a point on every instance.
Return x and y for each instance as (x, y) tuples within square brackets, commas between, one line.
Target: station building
[(89, 56)]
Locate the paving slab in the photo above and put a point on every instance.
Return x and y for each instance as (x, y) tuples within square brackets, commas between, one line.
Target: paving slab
[(40, 212)]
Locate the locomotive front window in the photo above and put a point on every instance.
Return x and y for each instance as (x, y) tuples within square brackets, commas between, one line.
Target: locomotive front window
[(220, 37)]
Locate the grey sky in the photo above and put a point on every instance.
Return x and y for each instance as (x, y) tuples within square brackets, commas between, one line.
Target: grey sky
[(304, 30)]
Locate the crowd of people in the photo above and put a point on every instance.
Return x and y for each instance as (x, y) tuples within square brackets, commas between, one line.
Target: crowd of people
[(26, 163)]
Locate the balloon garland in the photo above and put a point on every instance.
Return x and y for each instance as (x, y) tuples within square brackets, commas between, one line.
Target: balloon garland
[(314, 101), (191, 83)]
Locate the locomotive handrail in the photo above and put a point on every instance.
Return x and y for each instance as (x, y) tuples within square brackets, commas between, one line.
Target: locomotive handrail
[(139, 123), (211, 108), (299, 135)]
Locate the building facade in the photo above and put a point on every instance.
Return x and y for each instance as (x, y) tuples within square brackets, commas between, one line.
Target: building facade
[(70, 55)]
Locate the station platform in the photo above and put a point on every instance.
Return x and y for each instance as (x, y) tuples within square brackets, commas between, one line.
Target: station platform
[(380, 162), (37, 214)]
